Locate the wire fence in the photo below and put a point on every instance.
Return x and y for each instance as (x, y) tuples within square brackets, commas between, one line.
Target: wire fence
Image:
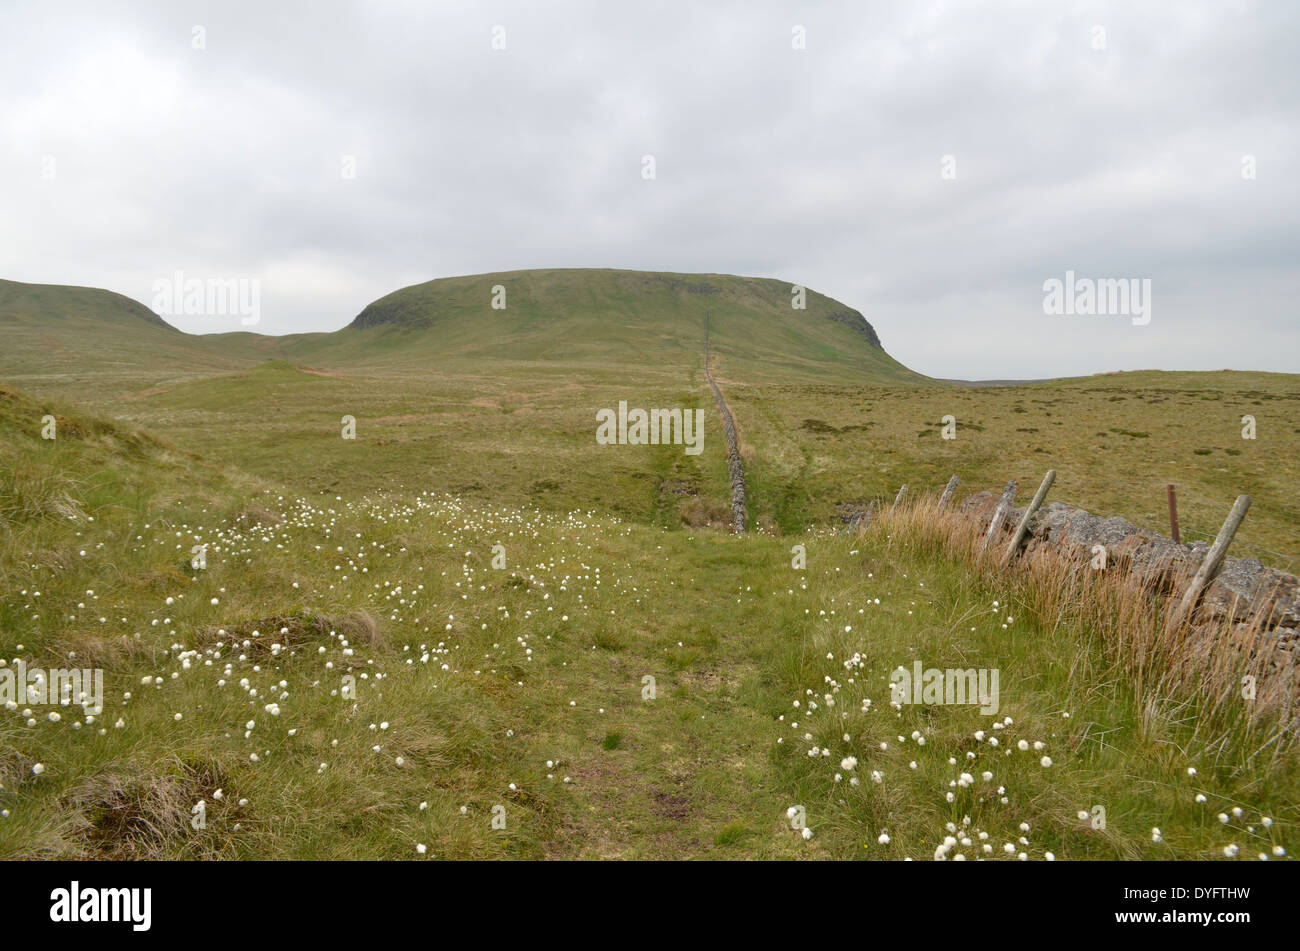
[(1289, 561)]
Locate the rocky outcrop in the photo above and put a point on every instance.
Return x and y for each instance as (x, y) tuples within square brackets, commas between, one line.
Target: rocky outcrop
[(857, 323)]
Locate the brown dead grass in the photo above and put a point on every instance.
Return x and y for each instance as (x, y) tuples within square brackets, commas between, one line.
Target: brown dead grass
[(1199, 668), (701, 512), (136, 811), (359, 628)]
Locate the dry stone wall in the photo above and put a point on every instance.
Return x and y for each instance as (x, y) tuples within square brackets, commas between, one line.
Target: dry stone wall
[(1243, 589)]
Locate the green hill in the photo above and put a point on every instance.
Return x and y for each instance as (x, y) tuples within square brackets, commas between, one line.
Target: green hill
[(58, 304), (85, 341), (573, 321), (499, 405), (612, 317)]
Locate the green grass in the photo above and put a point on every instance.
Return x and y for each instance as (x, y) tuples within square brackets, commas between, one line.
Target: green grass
[(516, 392), (546, 661), (629, 684)]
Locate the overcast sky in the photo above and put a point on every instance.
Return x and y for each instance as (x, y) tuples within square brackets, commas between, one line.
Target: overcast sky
[(1105, 138)]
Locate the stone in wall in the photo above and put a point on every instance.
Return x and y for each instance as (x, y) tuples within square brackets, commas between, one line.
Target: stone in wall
[(1242, 588)]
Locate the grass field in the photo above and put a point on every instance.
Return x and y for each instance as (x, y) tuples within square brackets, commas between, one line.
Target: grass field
[(360, 671)]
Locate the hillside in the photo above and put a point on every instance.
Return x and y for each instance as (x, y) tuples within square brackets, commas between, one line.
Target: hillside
[(366, 667), (85, 341), (599, 317), (574, 322), (57, 304), (498, 405)]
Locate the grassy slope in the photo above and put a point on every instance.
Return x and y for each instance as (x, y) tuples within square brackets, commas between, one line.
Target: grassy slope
[(1115, 441), (732, 634), (478, 678), (610, 319), (565, 322), (88, 343), (825, 418)]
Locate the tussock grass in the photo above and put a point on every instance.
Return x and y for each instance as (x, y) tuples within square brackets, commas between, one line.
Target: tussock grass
[(357, 627), (1196, 674), (506, 688)]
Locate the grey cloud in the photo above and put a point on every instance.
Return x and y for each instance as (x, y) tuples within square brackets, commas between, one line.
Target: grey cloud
[(820, 166)]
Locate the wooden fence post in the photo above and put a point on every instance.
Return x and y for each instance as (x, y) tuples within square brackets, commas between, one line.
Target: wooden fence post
[(1000, 513), (948, 490), (898, 499), (1173, 514), (862, 519), (1213, 559), (1023, 527)]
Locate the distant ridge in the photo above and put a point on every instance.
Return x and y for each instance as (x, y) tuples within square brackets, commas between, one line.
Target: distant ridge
[(60, 302), (578, 313), (603, 319)]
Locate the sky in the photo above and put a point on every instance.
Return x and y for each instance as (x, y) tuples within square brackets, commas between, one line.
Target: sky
[(934, 165)]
